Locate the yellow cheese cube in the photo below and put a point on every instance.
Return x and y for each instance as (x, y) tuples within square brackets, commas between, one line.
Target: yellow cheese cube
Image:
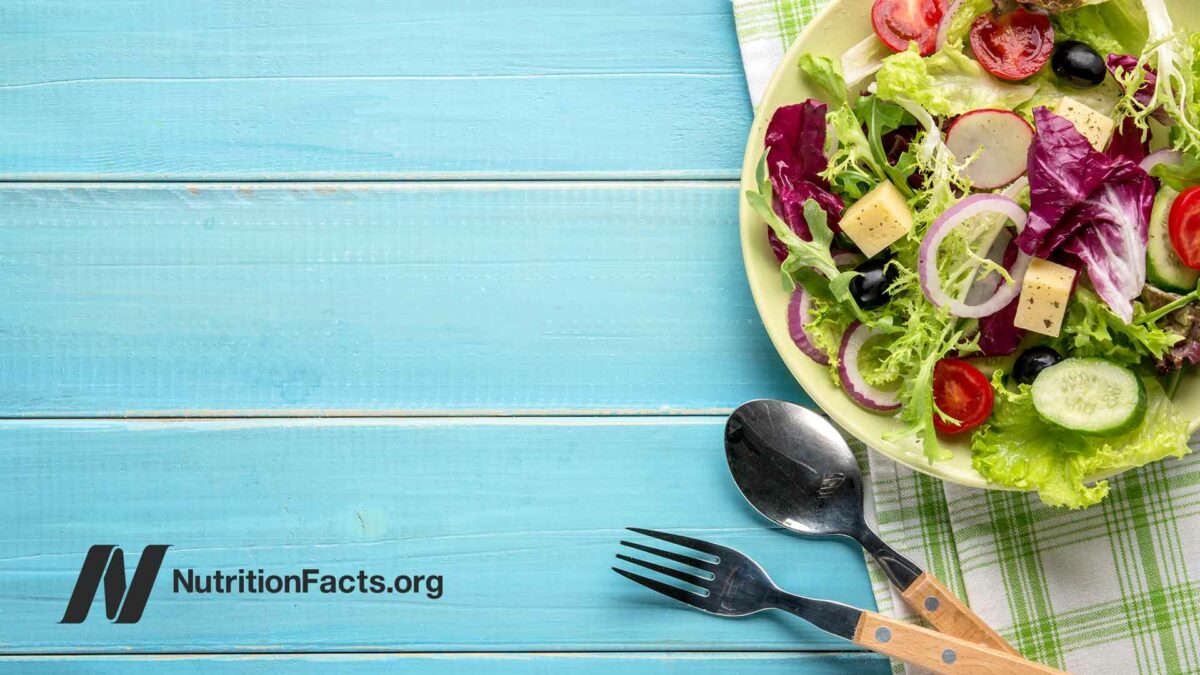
[(1095, 126), (1044, 296), (878, 220)]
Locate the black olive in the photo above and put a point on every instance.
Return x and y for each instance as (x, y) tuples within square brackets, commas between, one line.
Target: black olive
[(1032, 362), (1079, 64), (870, 287)]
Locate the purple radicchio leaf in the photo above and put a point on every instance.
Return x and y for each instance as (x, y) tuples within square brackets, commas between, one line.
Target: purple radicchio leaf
[(1129, 143), (795, 144), (1090, 205), (998, 333)]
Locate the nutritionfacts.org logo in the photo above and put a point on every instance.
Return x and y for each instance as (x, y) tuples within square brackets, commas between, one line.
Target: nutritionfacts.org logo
[(104, 569)]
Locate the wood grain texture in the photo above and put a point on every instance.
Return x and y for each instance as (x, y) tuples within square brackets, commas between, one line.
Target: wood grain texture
[(950, 615), (940, 653), (278, 89), (367, 299), (660, 663), (522, 517)]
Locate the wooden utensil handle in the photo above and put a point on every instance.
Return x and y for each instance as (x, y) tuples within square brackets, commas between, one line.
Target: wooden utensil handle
[(944, 611), (937, 652)]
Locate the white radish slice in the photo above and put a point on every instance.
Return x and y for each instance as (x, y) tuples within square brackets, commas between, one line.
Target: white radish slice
[(797, 314), (927, 268), (848, 370), (997, 143)]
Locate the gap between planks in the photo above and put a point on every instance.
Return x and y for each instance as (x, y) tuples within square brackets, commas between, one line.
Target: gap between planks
[(375, 420), (419, 180), (368, 653)]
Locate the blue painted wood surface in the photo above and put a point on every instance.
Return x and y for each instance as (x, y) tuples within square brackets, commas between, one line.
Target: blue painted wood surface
[(396, 298), (286, 90), (655, 663), (521, 516), (460, 303)]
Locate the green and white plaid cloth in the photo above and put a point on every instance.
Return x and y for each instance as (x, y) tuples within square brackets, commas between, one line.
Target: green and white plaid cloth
[(1112, 589)]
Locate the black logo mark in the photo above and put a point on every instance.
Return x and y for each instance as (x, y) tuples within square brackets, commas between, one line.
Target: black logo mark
[(121, 604)]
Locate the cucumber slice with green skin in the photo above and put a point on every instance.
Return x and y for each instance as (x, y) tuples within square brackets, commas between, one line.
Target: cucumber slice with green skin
[(1090, 396), (1164, 269)]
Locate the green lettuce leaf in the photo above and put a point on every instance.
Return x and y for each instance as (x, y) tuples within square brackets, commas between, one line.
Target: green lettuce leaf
[(1018, 449), (826, 74), (1113, 27), (946, 84), (1091, 329)]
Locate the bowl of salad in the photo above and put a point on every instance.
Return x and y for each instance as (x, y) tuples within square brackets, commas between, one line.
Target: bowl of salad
[(972, 230)]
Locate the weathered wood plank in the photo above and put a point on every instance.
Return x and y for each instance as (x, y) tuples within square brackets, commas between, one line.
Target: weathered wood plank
[(367, 299), (521, 517), (243, 90), (662, 663)]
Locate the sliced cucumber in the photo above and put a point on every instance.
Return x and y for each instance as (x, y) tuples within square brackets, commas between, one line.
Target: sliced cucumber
[(1091, 396), (1164, 269)]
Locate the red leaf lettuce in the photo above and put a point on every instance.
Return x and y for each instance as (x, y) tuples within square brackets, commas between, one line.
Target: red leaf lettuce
[(795, 143)]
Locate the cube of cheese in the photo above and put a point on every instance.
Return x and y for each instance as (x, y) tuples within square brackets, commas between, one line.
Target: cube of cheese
[(1095, 126), (1044, 296), (878, 220)]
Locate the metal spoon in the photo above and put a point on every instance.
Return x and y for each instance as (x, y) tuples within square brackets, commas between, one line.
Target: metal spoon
[(795, 468)]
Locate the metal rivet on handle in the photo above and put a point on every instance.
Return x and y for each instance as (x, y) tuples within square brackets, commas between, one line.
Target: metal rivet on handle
[(931, 603), (948, 656), (882, 634)]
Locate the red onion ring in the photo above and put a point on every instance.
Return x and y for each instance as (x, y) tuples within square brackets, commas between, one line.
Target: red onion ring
[(797, 314), (953, 217), (848, 370)]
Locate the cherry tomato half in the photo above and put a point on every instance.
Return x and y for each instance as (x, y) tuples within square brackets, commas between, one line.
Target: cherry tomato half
[(1012, 46), (961, 391), (1184, 227), (899, 22)]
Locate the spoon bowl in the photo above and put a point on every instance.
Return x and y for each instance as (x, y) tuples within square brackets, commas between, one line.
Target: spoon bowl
[(795, 468)]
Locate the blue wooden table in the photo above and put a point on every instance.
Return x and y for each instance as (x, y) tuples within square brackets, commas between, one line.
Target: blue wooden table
[(422, 288)]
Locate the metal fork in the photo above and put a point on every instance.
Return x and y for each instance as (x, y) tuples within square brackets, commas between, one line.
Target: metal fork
[(728, 583)]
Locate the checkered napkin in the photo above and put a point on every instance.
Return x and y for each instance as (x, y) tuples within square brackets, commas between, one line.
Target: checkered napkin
[(1111, 589)]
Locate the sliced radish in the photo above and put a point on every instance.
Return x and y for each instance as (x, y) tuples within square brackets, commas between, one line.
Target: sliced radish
[(997, 140), (927, 266), (848, 370), (798, 317)]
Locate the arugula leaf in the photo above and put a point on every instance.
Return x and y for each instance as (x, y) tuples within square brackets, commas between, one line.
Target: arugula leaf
[(860, 162), (808, 263)]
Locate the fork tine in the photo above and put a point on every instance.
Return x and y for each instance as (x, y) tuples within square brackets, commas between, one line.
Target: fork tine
[(680, 540), (686, 597), (667, 571), (671, 555)]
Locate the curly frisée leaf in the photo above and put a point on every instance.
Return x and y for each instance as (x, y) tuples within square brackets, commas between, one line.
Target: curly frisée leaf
[(1019, 449), (1092, 329)]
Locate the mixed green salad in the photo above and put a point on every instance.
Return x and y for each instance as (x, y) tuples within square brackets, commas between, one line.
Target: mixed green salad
[(992, 228)]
